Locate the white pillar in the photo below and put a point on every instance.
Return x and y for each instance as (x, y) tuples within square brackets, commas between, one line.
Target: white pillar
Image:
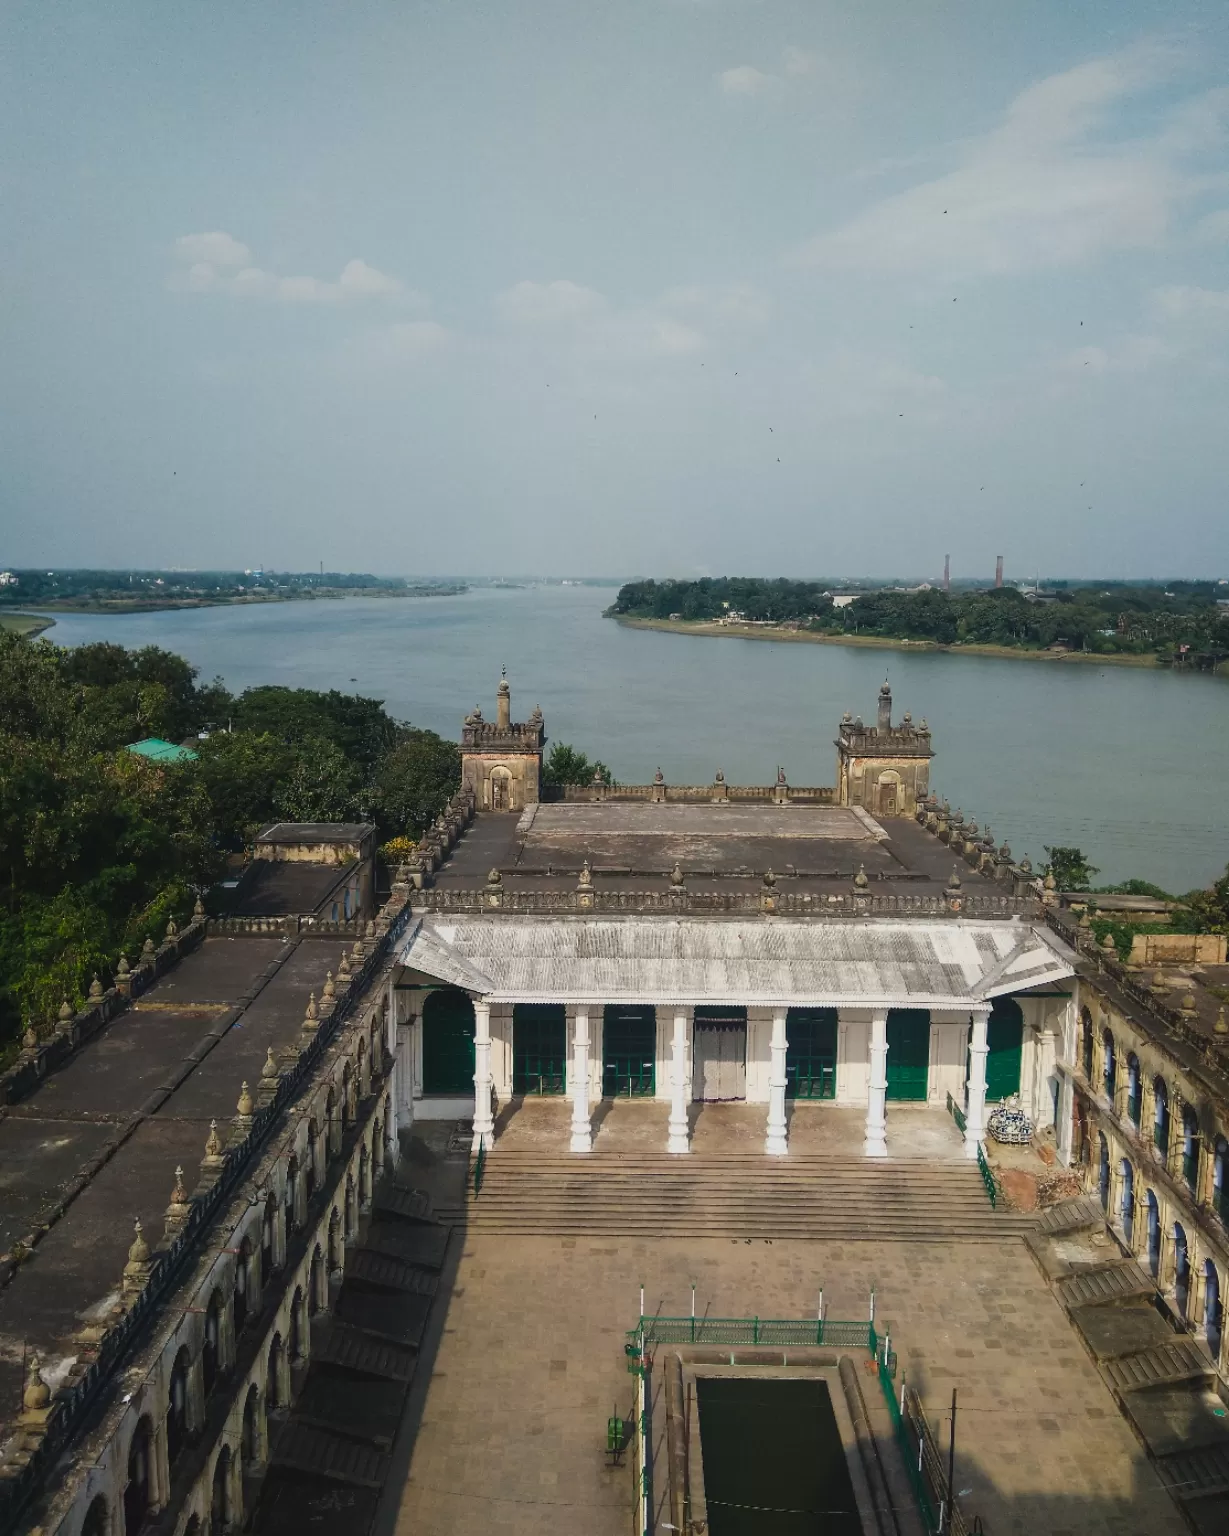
[(777, 1143), (680, 1084), (975, 1097), (1066, 1108), (876, 1142), (484, 1121), (582, 1131)]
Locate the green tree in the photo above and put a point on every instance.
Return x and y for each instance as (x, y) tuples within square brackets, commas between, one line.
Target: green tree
[(322, 785), (358, 726), (565, 765), (1071, 870), (413, 782)]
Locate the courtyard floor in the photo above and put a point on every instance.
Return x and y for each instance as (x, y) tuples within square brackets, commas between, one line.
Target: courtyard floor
[(510, 1435)]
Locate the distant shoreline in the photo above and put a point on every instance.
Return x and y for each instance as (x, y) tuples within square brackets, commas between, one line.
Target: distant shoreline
[(878, 642), (173, 604)]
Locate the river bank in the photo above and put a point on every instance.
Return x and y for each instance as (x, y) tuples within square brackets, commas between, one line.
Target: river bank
[(879, 642), (27, 624)]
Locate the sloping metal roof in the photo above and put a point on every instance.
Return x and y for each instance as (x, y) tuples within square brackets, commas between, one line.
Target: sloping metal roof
[(689, 960)]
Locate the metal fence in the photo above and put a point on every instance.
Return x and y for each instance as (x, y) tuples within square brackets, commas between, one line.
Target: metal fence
[(922, 1456), (767, 1331)]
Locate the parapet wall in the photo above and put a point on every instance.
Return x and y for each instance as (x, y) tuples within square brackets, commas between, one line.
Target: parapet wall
[(693, 794)]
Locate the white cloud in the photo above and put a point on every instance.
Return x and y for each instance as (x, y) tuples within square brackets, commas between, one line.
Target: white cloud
[(798, 61), (357, 277), (1188, 303), (569, 315), (414, 337), (216, 249), (1045, 189), (745, 80), (207, 264)]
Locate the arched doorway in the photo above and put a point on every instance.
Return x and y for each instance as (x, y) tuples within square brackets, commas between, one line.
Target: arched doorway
[(1134, 1096), (500, 790), (250, 1438), (294, 1328), (315, 1284), (1190, 1146), (219, 1507), (1109, 1074), (629, 1052), (448, 1043), (177, 1406), (908, 1053), (97, 1519), (1213, 1313), (1220, 1179), (273, 1374), (1160, 1118), (243, 1277), (1005, 1042), (1182, 1269), (138, 1491), (211, 1349), (1103, 1171), (1126, 1203), (1154, 1236), (539, 1048), (1086, 1028), (810, 1053)]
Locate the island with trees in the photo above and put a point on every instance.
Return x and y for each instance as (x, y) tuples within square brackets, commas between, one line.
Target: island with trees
[(1179, 623)]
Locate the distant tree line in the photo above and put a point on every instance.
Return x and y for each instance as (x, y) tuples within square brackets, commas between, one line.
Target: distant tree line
[(41, 587), (1103, 618), (98, 846)]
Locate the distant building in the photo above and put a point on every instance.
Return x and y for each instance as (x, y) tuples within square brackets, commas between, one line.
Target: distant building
[(159, 751)]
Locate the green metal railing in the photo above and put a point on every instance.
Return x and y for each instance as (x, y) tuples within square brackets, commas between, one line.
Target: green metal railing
[(989, 1178), (956, 1113), (795, 1332)]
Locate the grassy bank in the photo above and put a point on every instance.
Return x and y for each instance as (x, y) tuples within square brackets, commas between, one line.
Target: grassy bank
[(170, 604), (28, 624), (878, 642)]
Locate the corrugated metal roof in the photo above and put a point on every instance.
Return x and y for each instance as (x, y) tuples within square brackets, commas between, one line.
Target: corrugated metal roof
[(693, 960)]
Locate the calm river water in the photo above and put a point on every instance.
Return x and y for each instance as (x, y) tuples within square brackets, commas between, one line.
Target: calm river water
[(1128, 764)]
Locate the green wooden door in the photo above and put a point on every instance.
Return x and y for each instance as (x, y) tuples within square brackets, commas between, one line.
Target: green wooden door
[(447, 1043), (539, 1048), (810, 1057), (629, 1052), (1005, 1038), (908, 1053)]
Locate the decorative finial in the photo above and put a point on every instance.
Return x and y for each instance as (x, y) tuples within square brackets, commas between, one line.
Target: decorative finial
[(179, 1195), (171, 929), (1221, 1027), (198, 910), (245, 1106), (861, 880), (586, 876), (30, 1039), (329, 990), (770, 879), (147, 950), (213, 1145), (676, 876), (1188, 1003), (95, 990), (719, 777), (1108, 945), (953, 883), (494, 877), (36, 1394), (343, 970), (659, 777), (139, 1252), (268, 1073), (121, 968), (65, 1015)]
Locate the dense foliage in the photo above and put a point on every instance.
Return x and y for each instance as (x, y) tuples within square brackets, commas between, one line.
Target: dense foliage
[(565, 765), (98, 846), (1099, 617)]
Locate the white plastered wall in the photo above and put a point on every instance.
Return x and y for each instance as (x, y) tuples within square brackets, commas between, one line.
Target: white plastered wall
[(853, 1055)]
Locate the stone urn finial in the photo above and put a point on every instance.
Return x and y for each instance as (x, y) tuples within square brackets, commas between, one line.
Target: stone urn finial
[(246, 1105), (29, 1039), (95, 990), (586, 877), (198, 910), (36, 1395), (1221, 1027), (770, 879), (343, 970), (171, 929), (494, 877), (147, 950), (65, 1015), (719, 777), (659, 777), (861, 880), (269, 1073), (121, 968), (1108, 946), (676, 877), (329, 990), (213, 1143)]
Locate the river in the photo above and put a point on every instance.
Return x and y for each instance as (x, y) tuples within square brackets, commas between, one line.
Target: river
[(1127, 763)]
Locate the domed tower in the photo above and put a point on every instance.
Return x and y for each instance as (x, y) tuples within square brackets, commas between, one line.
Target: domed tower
[(886, 770), (501, 763)]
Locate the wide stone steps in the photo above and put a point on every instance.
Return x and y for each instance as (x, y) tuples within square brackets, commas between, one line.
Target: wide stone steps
[(1070, 1216), (1196, 1474), (353, 1349), (1183, 1360), (320, 1453), (1117, 1282), (749, 1196), (384, 1273)]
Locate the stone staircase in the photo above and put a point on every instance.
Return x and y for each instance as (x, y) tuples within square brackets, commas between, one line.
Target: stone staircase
[(809, 1197)]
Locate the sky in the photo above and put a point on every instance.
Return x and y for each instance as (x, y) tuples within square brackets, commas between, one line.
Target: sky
[(665, 287)]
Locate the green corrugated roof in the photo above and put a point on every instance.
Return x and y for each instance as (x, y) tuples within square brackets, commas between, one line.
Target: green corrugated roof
[(162, 751)]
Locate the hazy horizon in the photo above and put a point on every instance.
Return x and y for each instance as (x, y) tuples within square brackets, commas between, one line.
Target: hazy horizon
[(686, 286)]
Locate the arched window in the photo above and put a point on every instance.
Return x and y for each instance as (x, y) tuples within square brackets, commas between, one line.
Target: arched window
[(313, 1157), (177, 1405), (193, 1527), (273, 1374), (364, 1178), (243, 1280), (97, 1519), (219, 1508), (334, 1242), (294, 1332), (1182, 1269), (1126, 1204), (1213, 1312), (1103, 1170), (347, 1087), (1134, 1096), (1160, 1118), (332, 1138), (211, 1350), (350, 1208), (138, 1491), (250, 1438), (268, 1239), (361, 1072), (377, 1149), (1220, 1179), (292, 1190), (1086, 1022), (1109, 1074), (315, 1283), (1154, 1235), (1190, 1146)]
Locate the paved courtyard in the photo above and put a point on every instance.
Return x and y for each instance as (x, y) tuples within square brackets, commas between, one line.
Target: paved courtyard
[(531, 1364)]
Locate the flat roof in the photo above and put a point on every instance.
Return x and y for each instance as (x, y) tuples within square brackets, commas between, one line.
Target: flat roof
[(286, 887), (316, 832), (161, 751)]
